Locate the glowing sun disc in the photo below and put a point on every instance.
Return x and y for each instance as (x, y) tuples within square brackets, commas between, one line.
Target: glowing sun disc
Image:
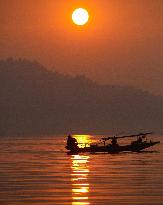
[(80, 16)]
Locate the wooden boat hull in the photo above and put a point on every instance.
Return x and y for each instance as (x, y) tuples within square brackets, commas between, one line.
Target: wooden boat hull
[(135, 147)]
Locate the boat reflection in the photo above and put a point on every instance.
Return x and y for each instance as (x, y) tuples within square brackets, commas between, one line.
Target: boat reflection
[(79, 178)]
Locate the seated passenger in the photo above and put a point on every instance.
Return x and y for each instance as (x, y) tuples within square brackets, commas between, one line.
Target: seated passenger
[(71, 143), (138, 141)]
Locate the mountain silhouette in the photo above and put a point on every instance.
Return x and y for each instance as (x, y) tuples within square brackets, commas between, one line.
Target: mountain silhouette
[(36, 101)]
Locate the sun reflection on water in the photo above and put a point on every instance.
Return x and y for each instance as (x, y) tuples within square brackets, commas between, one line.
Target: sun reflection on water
[(79, 178), (83, 140)]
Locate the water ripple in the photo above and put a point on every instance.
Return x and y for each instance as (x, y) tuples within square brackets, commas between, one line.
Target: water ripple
[(39, 172)]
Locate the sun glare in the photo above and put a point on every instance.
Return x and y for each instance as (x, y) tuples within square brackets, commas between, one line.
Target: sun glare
[(80, 16)]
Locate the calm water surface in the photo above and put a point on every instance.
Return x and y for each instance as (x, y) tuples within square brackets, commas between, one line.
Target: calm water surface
[(38, 171)]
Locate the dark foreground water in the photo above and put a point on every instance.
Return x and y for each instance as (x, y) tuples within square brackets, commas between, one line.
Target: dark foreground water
[(37, 171)]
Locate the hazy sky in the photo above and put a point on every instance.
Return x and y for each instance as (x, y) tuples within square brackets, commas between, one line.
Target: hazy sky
[(122, 43)]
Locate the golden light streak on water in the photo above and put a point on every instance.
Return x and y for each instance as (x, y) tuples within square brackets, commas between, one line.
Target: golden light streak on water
[(83, 140), (80, 186), (38, 171), (80, 203)]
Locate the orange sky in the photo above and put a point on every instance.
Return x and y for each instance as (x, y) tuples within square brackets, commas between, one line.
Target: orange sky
[(122, 43)]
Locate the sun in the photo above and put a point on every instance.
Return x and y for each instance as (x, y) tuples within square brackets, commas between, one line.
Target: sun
[(80, 16)]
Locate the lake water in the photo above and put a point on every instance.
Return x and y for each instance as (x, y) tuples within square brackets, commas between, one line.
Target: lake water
[(38, 171)]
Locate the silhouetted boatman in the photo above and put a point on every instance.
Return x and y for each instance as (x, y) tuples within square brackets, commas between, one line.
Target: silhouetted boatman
[(140, 140), (114, 141), (71, 143), (114, 146)]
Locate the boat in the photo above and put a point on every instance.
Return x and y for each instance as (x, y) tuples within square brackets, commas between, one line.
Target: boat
[(137, 145)]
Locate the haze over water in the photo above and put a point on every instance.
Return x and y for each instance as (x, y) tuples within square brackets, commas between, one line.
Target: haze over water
[(39, 171)]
